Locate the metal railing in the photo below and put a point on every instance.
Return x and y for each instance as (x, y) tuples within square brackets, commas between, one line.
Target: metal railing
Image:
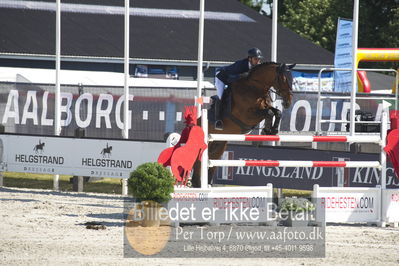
[(319, 119)]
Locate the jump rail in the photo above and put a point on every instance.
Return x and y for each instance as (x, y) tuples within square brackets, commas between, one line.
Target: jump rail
[(273, 163), (295, 138)]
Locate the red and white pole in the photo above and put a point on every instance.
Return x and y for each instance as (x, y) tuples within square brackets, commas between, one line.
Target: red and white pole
[(295, 138), (274, 163)]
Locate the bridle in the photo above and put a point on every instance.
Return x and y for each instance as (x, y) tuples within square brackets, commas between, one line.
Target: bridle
[(278, 81)]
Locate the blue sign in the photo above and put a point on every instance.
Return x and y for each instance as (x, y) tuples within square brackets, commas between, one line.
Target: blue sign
[(309, 81), (343, 56)]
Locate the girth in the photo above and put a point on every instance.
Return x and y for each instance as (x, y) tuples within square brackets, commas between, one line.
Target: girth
[(245, 129)]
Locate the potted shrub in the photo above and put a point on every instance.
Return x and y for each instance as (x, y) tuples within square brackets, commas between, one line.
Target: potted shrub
[(151, 184), (296, 211)]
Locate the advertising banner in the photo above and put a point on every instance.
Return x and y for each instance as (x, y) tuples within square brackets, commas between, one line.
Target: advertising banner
[(349, 204), (309, 81), (73, 156), (390, 205), (343, 56), (154, 112), (300, 177), (29, 109)]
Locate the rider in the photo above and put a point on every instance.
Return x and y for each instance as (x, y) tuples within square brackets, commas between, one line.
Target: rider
[(228, 74)]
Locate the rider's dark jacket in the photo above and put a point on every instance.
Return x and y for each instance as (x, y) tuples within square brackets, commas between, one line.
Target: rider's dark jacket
[(231, 73)]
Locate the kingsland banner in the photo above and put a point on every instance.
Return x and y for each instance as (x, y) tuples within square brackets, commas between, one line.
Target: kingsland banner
[(29, 108), (301, 177)]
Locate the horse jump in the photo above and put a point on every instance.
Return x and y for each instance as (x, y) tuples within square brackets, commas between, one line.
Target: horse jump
[(289, 138)]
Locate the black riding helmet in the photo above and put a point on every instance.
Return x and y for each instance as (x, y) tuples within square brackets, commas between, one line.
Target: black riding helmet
[(255, 52)]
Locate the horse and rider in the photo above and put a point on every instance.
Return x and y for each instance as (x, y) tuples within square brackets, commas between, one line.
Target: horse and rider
[(227, 75), (234, 72), (247, 103)]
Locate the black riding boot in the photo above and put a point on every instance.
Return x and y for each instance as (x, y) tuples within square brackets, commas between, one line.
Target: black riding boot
[(218, 113)]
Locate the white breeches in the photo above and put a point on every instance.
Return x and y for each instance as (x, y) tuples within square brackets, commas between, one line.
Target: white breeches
[(220, 86)]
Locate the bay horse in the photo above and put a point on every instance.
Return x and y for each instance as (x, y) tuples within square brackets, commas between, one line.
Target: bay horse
[(250, 104)]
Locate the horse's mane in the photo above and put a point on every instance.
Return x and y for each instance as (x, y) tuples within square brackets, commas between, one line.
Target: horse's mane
[(281, 71), (255, 68)]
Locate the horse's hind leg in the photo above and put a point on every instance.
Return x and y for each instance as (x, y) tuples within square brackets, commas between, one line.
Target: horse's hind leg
[(215, 150), (196, 178)]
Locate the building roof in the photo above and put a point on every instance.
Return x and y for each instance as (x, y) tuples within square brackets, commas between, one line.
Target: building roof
[(99, 78), (159, 30)]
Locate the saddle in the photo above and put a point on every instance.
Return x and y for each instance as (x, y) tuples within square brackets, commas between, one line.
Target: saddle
[(226, 112)]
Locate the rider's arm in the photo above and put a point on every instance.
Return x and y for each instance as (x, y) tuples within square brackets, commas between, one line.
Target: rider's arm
[(234, 71)]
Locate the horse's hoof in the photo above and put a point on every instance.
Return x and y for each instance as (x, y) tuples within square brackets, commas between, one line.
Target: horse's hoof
[(273, 131), (266, 132)]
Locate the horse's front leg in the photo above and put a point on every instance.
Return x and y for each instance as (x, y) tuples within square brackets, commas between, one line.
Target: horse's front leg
[(268, 116), (277, 119)]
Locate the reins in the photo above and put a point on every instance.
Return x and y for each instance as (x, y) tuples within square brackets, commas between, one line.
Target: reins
[(278, 82)]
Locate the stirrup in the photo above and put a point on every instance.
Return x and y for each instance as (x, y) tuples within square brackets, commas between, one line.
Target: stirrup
[(219, 125)]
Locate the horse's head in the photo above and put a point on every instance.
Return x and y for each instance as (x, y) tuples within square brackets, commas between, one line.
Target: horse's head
[(274, 75), (283, 83)]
